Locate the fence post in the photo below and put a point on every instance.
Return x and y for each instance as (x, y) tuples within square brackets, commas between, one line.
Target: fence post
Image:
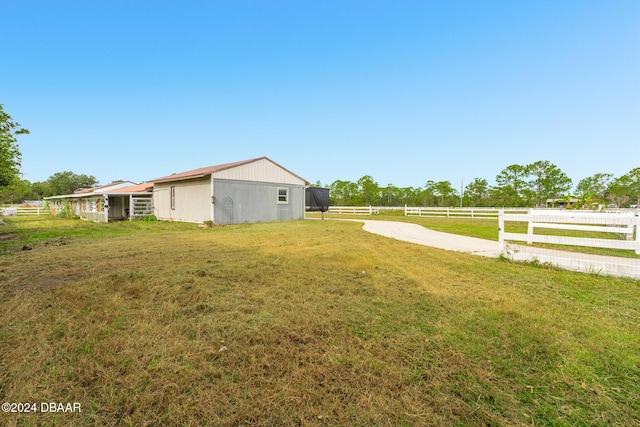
[(530, 230), (501, 231), (637, 221)]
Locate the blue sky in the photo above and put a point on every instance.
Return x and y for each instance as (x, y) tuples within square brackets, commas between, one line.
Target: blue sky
[(404, 91)]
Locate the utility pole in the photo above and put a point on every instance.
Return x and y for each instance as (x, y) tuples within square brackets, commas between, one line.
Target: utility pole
[(461, 194)]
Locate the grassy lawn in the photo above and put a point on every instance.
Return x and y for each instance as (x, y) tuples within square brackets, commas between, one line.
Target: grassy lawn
[(473, 227), (303, 323), (488, 229)]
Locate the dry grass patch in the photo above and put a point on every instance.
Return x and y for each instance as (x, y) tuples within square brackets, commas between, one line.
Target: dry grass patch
[(308, 323)]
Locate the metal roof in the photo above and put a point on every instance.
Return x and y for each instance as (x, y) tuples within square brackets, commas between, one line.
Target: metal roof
[(138, 189), (202, 172), (102, 187)]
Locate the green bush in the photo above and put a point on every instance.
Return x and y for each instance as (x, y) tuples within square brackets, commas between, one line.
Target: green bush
[(64, 211)]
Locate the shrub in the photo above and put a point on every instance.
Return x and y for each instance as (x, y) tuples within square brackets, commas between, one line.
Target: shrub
[(64, 211)]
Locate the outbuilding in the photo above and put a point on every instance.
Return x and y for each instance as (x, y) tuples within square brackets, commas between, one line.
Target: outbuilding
[(254, 190), (111, 202)]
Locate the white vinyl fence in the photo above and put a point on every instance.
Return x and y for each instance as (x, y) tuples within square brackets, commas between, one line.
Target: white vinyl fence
[(24, 210), (354, 210), (491, 213), (621, 229), (618, 231), (450, 212)]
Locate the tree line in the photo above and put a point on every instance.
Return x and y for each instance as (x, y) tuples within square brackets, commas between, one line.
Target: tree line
[(538, 184), (59, 183), (529, 185), (516, 186)]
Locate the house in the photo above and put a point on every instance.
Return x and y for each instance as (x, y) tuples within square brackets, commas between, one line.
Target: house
[(562, 202), (112, 202), (252, 190)]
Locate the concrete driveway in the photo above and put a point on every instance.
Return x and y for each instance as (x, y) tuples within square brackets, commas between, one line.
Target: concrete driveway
[(585, 263), (415, 233)]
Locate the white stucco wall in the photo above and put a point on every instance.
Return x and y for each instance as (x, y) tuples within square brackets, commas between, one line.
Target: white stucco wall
[(192, 200)]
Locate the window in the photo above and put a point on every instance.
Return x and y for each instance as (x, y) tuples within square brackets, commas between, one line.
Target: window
[(283, 196), (173, 198)]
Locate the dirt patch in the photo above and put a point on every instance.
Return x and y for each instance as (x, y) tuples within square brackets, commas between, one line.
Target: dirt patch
[(7, 236), (62, 241), (47, 282)]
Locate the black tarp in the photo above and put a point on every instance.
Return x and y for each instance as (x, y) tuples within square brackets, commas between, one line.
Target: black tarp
[(317, 199)]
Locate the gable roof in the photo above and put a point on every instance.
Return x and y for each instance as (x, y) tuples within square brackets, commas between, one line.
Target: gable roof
[(140, 188), (206, 171), (102, 188)]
